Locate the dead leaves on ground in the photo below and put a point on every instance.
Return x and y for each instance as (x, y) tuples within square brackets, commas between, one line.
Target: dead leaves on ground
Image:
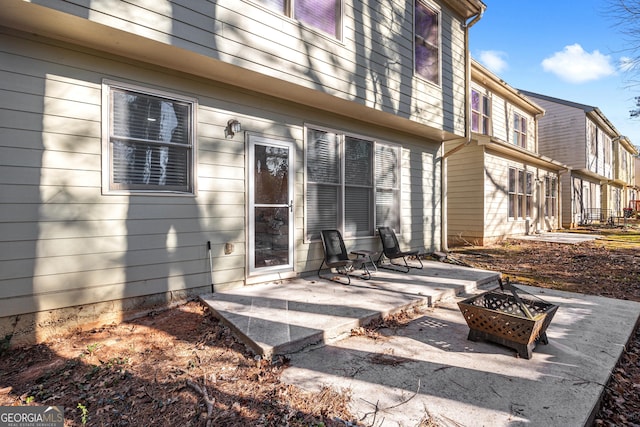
[(587, 267), (139, 373), (143, 372)]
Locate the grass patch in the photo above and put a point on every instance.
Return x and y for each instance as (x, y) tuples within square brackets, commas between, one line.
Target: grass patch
[(614, 238), (624, 240)]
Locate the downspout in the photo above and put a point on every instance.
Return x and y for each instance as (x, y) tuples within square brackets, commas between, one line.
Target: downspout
[(467, 133), (559, 202), (540, 226)]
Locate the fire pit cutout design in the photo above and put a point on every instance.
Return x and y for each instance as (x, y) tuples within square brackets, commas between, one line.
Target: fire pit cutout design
[(504, 317)]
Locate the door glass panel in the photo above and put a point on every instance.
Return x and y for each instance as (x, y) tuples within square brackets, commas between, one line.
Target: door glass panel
[(271, 175), (271, 236)]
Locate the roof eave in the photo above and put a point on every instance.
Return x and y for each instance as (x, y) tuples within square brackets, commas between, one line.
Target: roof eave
[(467, 8), (483, 76), (511, 150)]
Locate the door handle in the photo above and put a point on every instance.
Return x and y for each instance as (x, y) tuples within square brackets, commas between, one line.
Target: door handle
[(291, 206)]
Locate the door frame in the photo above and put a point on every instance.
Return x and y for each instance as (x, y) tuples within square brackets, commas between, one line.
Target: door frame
[(281, 270)]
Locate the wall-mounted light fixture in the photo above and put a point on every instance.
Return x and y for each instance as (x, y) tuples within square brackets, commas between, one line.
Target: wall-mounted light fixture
[(233, 127)]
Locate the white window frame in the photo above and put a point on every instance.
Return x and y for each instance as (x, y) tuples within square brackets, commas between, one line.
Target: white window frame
[(342, 185), (436, 10), (519, 133), (289, 13), (484, 117), (521, 192), (528, 194), (551, 196), (108, 186)]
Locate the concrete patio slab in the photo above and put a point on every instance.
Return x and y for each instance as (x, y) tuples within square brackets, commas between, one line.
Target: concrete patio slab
[(283, 318), (429, 366), (568, 238)]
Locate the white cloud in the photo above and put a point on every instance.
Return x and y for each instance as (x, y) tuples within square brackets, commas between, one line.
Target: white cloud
[(574, 65), (494, 60)]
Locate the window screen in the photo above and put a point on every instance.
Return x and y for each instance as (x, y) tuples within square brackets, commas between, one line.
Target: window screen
[(150, 142)]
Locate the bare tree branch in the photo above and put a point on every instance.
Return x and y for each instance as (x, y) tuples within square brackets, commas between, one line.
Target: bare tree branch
[(625, 15)]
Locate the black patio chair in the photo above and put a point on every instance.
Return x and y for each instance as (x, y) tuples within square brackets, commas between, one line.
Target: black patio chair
[(336, 257), (391, 250)]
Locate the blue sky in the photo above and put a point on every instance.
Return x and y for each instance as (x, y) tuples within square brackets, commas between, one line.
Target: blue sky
[(568, 49)]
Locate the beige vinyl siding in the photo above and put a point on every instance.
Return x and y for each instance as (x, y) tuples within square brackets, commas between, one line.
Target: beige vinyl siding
[(499, 118), (481, 175), (624, 164), (497, 224), (420, 195), (566, 134), (65, 244), (503, 117), (609, 204), (530, 131), (600, 162), (562, 133), (465, 202), (477, 189), (608, 155), (595, 160), (372, 65), (453, 77), (620, 159), (628, 174)]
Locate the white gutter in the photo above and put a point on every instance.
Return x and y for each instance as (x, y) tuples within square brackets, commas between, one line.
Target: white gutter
[(559, 201), (463, 141)]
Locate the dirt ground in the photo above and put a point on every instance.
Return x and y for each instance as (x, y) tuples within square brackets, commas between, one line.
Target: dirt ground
[(181, 367)]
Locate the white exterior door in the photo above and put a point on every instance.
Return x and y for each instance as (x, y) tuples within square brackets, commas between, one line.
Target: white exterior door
[(270, 194)]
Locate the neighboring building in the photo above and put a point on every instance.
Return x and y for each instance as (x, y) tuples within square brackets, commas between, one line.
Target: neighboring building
[(136, 136), (581, 136), (498, 185), (635, 197), (622, 190)]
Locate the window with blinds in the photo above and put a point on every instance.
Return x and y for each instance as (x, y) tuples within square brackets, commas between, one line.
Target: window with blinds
[(323, 15), (323, 192), (387, 186), (150, 142), (353, 184)]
